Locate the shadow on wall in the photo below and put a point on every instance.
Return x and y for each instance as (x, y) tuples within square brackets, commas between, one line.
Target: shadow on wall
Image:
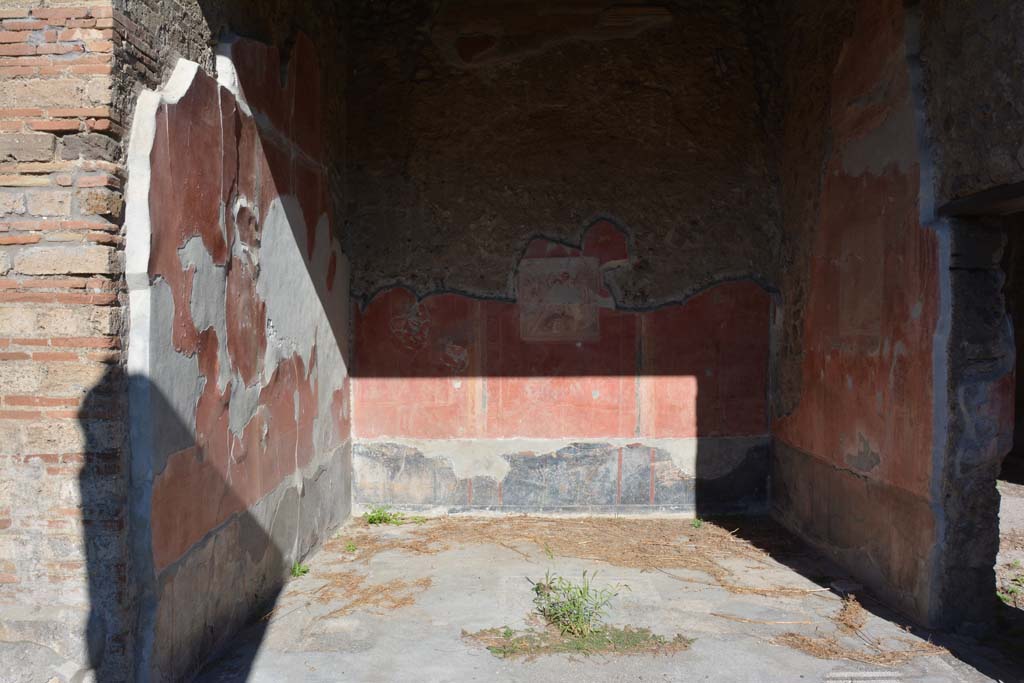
[(238, 397), (560, 399), (621, 406), (244, 567)]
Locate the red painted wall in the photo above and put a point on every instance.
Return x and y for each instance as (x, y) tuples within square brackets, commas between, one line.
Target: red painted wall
[(872, 310), (215, 174), (562, 361)]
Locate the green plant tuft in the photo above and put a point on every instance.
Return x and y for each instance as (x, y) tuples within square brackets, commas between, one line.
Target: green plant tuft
[(697, 523), (350, 547), (383, 514), (506, 643), (299, 569), (575, 609)]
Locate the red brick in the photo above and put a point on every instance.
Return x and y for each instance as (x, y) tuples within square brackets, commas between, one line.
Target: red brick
[(40, 401), (54, 355), (61, 14), (59, 298), (14, 36), (60, 414), (97, 112), (23, 24), (67, 283), (99, 181), (89, 225), (58, 49), (17, 49), (18, 71), (30, 341), (87, 342), (103, 125), (19, 113), (26, 60), (19, 239), (20, 414), (57, 126)]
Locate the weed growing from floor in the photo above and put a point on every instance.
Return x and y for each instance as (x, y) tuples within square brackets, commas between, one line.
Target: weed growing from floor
[(697, 523), (350, 547), (575, 609), (506, 643), (382, 514), (299, 569), (1011, 591)]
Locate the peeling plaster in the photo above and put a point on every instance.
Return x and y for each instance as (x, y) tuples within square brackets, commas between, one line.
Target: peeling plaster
[(471, 458), (208, 305), (275, 477)]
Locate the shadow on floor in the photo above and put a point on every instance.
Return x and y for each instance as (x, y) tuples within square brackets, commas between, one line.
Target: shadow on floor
[(998, 654)]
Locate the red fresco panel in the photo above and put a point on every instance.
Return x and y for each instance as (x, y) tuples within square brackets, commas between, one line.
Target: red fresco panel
[(560, 389), (873, 303), (705, 365), (419, 367), (450, 366)]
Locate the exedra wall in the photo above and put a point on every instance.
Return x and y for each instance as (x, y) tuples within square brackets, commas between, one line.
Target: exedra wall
[(238, 347), (563, 399)]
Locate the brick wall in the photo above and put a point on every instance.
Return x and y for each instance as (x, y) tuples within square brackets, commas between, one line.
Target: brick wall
[(61, 427)]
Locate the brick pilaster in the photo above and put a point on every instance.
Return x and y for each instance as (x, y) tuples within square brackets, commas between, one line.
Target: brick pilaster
[(62, 461)]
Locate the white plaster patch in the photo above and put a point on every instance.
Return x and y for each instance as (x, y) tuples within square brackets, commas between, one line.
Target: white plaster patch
[(242, 407), (208, 303), (175, 375), (293, 305)]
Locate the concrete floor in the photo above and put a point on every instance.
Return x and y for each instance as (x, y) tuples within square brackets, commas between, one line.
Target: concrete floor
[(392, 613), (1010, 563)]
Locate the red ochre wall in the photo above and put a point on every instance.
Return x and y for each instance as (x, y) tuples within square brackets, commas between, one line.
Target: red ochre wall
[(853, 462), (240, 388), (559, 364)]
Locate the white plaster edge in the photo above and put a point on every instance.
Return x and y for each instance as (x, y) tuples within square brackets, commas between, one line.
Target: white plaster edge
[(138, 236), (138, 233), (227, 76), (138, 228)]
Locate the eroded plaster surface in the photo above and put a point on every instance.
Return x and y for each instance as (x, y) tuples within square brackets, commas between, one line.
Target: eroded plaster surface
[(477, 126), (558, 399), (862, 429), (239, 290)]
